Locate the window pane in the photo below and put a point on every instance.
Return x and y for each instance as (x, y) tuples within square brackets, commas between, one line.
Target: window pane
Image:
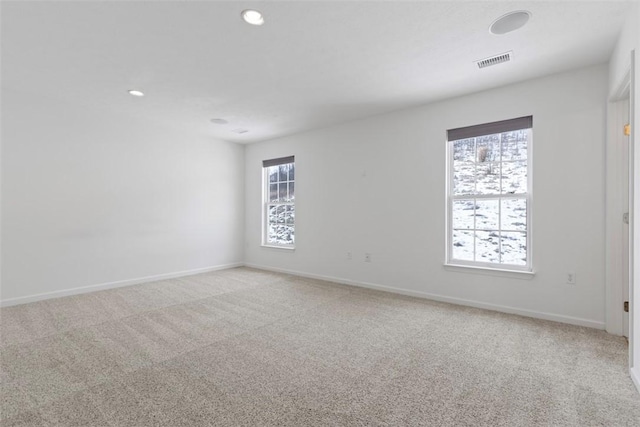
[(514, 248), (514, 214), (514, 177), (272, 233), (273, 174), (462, 245), (284, 172), (280, 214), (488, 148), (464, 154), (280, 224), (462, 214), (290, 215), (292, 194), (464, 150), (272, 226), (285, 235), (487, 246), (292, 169), (487, 214), (278, 234), (282, 193), (514, 145), (464, 178), (272, 214), (273, 192), (281, 234), (488, 175)]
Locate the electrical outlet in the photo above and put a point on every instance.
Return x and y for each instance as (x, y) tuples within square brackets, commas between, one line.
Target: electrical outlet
[(571, 278), (367, 257), (349, 257)]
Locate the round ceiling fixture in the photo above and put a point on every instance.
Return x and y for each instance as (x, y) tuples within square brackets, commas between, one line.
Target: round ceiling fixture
[(510, 22), (135, 92), (219, 121), (252, 17)]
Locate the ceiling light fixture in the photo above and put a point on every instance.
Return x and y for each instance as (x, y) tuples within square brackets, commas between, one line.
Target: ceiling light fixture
[(219, 121), (135, 93), (252, 17), (510, 22)]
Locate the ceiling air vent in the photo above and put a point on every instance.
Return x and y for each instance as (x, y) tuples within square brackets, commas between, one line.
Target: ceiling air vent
[(495, 60)]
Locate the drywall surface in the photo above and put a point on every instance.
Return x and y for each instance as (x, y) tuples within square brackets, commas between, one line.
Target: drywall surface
[(620, 61), (378, 186), (92, 197)]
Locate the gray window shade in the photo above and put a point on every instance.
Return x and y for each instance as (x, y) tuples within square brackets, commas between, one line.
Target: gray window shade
[(276, 162), (490, 128)]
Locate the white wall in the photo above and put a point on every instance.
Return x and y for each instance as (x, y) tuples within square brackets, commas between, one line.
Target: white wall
[(378, 185), (90, 196), (627, 41)]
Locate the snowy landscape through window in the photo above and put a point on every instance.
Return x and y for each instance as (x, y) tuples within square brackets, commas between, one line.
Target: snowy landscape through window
[(489, 195), (279, 196)]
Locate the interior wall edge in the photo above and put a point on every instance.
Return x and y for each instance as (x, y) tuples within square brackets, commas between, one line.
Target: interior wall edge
[(112, 285), (595, 324)]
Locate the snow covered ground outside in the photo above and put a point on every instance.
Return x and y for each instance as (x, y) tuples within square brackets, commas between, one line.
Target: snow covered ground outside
[(281, 210), (489, 206)]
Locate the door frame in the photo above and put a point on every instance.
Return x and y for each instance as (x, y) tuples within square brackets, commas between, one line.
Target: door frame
[(615, 207), (634, 282)]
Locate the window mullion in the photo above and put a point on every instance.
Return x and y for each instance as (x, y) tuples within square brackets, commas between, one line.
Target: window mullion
[(500, 202), (489, 196)]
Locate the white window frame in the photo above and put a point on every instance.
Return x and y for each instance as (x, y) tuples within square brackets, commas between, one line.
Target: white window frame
[(450, 261), (266, 203)]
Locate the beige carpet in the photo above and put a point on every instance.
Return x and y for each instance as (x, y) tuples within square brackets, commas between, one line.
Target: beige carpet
[(251, 348)]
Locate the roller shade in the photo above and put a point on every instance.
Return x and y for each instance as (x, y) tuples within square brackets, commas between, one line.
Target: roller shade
[(276, 162), (490, 128)]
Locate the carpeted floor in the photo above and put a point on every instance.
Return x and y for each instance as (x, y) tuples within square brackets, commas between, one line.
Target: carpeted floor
[(252, 348)]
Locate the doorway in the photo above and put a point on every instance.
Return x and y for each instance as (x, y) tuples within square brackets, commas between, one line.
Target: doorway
[(619, 210), (622, 122)]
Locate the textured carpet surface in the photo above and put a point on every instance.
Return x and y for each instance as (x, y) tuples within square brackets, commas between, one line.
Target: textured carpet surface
[(254, 348)]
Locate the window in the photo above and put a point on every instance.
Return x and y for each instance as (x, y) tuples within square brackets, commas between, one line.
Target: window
[(489, 195), (279, 202)]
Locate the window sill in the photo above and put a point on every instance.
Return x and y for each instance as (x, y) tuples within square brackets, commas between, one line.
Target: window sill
[(286, 248), (516, 274)]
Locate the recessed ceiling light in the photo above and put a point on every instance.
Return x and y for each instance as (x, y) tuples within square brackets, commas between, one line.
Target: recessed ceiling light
[(219, 121), (510, 22), (135, 93), (252, 17)]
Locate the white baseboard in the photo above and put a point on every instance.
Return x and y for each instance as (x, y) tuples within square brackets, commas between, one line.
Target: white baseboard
[(459, 301), (635, 376), (111, 285), (418, 294)]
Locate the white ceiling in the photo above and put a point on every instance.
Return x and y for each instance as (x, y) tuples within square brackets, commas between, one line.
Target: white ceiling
[(312, 64)]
